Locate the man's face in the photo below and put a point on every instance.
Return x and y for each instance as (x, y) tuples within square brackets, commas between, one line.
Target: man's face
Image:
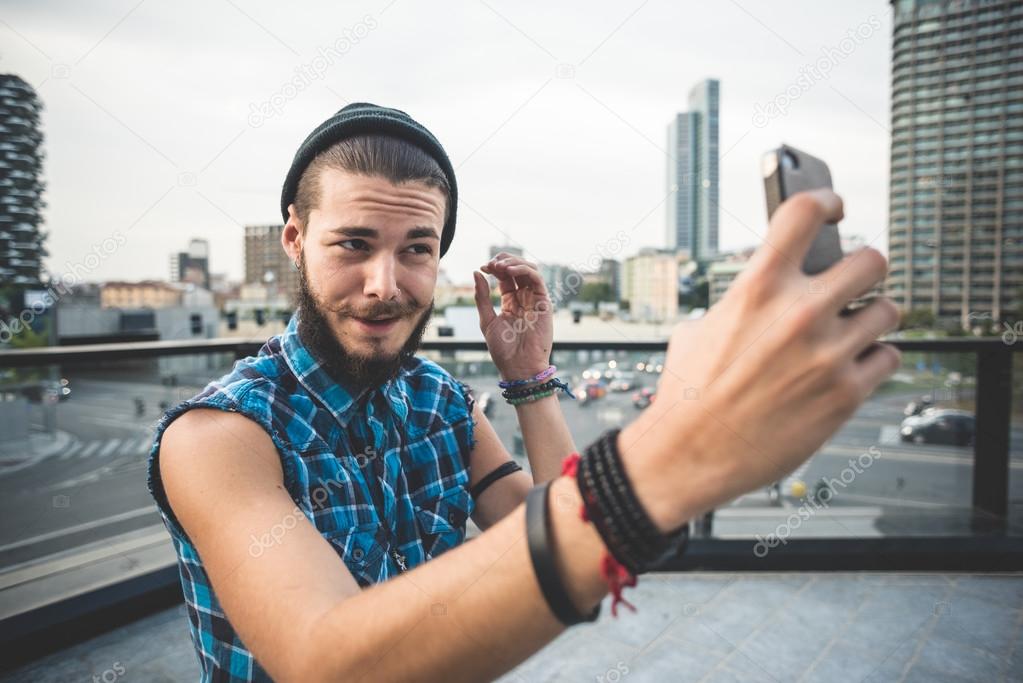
[(369, 259)]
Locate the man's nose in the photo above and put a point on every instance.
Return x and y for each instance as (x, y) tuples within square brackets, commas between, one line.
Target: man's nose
[(381, 279)]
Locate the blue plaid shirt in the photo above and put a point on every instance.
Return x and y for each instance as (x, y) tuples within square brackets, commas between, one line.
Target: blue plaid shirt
[(382, 475)]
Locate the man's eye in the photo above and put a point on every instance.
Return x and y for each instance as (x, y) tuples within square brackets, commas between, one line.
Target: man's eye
[(423, 249), (353, 245)]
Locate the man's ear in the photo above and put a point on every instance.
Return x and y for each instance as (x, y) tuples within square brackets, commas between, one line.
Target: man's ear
[(292, 236)]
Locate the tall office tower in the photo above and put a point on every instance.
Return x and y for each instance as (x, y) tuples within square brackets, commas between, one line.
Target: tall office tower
[(21, 185), (693, 174), (267, 263), (955, 240), (192, 265)]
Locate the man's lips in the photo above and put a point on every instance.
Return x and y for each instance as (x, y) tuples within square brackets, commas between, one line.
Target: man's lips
[(378, 326)]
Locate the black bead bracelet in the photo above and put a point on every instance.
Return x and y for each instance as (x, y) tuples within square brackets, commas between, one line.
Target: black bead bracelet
[(630, 535)]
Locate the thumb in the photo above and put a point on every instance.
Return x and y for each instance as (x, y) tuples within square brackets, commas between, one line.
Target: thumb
[(483, 305)]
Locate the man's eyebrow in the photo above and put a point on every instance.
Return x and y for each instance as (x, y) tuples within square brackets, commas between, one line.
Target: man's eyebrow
[(356, 232), (414, 233)]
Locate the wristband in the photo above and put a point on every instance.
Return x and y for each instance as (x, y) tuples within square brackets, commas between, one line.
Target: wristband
[(539, 535), (502, 470)]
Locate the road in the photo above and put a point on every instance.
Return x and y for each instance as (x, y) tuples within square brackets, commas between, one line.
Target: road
[(94, 487)]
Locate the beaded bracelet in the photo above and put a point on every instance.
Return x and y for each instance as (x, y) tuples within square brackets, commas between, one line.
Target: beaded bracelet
[(614, 574), (537, 388), (532, 397), (611, 502), (546, 374)]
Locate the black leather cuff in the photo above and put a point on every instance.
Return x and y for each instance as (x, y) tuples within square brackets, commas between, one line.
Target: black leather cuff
[(539, 535)]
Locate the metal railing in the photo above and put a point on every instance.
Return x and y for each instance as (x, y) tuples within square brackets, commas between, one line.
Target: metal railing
[(993, 389), (992, 547)]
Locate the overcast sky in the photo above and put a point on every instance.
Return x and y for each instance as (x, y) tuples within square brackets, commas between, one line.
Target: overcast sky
[(554, 114)]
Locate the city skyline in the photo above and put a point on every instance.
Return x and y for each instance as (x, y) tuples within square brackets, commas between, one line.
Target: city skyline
[(145, 161)]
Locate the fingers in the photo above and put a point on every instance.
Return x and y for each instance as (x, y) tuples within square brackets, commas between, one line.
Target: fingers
[(483, 304), (797, 221), (506, 259), (514, 272), (861, 329), (853, 276), (876, 365), (526, 276), (505, 283)]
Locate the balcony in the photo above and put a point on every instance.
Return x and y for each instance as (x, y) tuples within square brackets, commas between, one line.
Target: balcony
[(910, 568)]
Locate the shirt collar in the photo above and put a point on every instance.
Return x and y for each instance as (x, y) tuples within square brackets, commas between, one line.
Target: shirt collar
[(337, 399)]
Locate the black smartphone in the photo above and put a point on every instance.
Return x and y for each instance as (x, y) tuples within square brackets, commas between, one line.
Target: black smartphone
[(787, 171)]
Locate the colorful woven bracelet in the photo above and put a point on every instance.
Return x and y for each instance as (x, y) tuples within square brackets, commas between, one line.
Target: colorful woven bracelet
[(512, 383)]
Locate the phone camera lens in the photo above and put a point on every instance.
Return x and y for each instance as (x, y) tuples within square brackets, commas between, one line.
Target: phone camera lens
[(789, 161)]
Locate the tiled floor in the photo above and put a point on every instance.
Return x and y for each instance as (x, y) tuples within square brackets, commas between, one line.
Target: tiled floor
[(711, 627)]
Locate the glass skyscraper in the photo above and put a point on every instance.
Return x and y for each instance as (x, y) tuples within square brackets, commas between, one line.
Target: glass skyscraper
[(693, 174), (956, 196)]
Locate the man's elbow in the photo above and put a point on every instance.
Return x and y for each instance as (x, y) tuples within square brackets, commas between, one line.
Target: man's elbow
[(325, 655)]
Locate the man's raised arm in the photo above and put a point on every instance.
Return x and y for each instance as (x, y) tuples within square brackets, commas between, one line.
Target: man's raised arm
[(519, 339)]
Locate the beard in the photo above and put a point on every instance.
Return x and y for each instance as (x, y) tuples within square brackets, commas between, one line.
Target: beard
[(353, 371)]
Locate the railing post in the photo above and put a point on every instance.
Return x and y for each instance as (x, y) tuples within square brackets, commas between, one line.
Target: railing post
[(991, 435)]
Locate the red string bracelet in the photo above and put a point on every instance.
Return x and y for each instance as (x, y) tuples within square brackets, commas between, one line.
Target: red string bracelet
[(614, 574)]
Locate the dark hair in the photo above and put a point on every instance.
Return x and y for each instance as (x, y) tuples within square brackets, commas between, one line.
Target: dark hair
[(385, 156)]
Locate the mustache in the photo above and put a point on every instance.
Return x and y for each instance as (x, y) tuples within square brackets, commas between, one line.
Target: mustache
[(381, 309)]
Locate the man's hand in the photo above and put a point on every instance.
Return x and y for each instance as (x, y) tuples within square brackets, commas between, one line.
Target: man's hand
[(756, 386), (520, 337)]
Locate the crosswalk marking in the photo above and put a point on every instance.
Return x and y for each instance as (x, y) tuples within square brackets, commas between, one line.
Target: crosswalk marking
[(88, 450), (71, 450), (105, 448), (140, 445), (111, 446)]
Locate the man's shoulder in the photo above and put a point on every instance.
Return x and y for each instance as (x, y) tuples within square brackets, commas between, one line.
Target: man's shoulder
[(265, 368)]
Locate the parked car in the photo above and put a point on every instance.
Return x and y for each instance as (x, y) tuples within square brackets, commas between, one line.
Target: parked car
[(595, 389), (622, 380), (643, 398), (605, 370), (918, 405), (653, 365), (939, 426), (47, 390)]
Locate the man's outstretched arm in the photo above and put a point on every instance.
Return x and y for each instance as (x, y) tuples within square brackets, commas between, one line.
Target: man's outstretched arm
[(764, 379), (469, 615)]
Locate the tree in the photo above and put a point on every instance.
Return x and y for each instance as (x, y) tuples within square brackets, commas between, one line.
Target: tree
[(595, 292), (698, 296), (917, 318)]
